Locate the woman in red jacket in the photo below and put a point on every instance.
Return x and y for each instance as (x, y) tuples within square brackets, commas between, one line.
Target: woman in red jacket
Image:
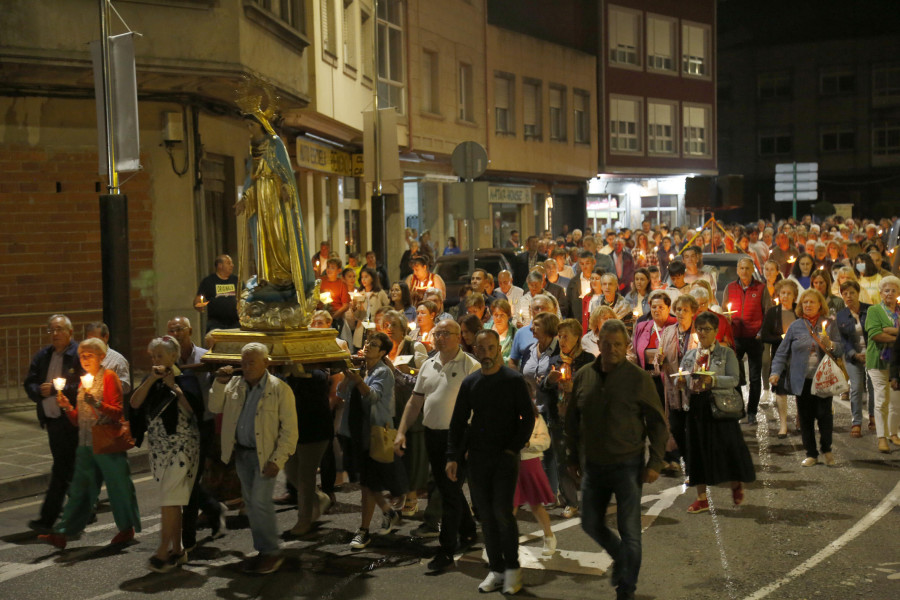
[(99, 401)]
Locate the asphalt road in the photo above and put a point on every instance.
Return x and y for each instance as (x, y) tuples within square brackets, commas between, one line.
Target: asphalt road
[(803, 533)]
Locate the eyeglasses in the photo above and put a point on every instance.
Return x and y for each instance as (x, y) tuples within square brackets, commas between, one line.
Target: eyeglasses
[(178, 329), (373, 346), (52, 330), (440, 334), (704, 329)]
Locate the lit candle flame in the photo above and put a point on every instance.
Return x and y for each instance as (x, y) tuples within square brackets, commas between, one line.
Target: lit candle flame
[(824, 323), (413, 326), (777, 301), (202, 299), (792, 259), (821, 267), (87, 381), (325, 298), (729, 307), (636, 312), (656, 248), (671, 257), (59, 383)]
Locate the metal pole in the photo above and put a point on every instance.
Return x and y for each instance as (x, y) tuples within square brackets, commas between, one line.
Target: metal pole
[(378, 204), (795, 192), (113, 185)]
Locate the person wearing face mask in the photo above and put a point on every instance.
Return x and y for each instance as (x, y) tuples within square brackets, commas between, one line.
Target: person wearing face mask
[(868, 277)]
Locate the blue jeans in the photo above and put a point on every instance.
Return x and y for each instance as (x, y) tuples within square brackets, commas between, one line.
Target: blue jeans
[(257, 493), (598, 484), (858, 379)]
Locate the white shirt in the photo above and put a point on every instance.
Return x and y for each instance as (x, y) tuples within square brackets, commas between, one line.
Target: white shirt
[(513, 296), (119, 365), (440, 384), (585, 285)]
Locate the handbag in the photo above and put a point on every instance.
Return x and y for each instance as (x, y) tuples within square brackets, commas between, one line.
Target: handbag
[(381, 444), (110, 437), (727, 405), (830, 378)]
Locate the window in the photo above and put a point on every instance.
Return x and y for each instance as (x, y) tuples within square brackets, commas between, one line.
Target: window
[(349, 30), (368, 46), (503, 103), (695, 50), (466, 103), (775, 85), (582, 123), (695, 130), (624, 125), (328, 28), (836, 80), (775, 143), (557, 113), (531, 104), (660, 44), (660, 128), (430, 83), (837, 139), (886, 139), (886, 81), (624, 37), (390, 55), (285, 19)]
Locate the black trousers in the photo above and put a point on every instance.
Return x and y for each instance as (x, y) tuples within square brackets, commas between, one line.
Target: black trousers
[(753, 349), (200, 498), (63, 438), (814, 409), (492, 483), (678, 429), (456, 518)]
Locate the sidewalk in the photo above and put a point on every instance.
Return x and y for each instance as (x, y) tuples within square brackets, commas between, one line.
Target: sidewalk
[(25, 458)]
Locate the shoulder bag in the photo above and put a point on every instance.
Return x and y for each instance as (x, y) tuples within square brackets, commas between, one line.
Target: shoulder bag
[(110, 437), (830, 378)]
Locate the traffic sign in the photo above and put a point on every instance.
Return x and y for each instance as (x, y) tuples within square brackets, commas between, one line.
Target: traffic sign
[(469, 160), (785, 177), (796, 167), (800, 186), (791, 196)]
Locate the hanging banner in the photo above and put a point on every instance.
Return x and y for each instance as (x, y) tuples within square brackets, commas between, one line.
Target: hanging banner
[(123, 104)]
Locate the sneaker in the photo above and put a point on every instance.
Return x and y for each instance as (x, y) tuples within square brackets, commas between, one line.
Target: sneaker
[(829, 459), (158, 565), (426, 530), (570, 512), (40, 526), (440, 562), (809, 461), (699, 506), (179, 559), (361, 539), (217, 524), (123, 537), (549, 545), (512, 581), (491, 583), (389, 522), (268, 564)]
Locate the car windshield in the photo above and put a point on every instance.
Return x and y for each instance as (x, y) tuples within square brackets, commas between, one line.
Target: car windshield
[(457, 269)]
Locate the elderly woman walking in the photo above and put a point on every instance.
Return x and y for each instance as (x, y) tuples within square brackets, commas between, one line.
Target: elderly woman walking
[(167, 404), (99, 403)]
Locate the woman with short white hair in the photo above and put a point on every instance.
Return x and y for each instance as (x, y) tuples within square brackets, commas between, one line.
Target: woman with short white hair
[(882, 323), (167, 405)]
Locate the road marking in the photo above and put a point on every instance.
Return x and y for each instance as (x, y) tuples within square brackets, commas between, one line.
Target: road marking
[(883, 508), (36, 502), (575, 562)]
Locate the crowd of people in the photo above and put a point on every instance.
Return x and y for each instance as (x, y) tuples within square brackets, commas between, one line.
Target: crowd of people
[(588, 368)]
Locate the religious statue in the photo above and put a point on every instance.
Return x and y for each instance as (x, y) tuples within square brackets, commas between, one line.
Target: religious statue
[(280, 288)]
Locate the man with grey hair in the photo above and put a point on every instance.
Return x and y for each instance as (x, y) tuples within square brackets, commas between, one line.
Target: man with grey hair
[(613, 411), (512, 292), (113, 360), (437, 296), (435, 393), (58, 360), (259, 426)]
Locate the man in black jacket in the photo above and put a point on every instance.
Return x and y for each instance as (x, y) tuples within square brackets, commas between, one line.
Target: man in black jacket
[(526, 261), (58, 360)]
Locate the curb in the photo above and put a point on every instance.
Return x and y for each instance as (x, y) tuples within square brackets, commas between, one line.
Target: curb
[(13, 489)]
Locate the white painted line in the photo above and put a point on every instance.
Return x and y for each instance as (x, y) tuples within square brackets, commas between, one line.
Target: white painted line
[(107, 595), (883, 508)]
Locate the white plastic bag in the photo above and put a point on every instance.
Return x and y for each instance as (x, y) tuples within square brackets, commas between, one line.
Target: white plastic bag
[(829, 380)]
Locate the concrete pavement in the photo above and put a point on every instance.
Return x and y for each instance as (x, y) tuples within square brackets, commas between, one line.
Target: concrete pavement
[(25, 458)]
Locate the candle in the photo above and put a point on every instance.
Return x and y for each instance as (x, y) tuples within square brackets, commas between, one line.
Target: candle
[(792, 259), (671, 257), (821, 267), (824, 323), (87, 381), (413, 326), (325, 298), (636, 312), (656, 248), (59, 383), (564, 371), (202, 300), (777, 301), (729, 307), (880, 231)]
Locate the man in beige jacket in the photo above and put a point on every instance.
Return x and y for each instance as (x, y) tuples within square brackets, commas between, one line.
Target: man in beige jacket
[(259, 426)]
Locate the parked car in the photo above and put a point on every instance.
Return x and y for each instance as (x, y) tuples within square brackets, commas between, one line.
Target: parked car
[(454, 269)]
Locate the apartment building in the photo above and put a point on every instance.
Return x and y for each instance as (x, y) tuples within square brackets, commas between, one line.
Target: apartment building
[(814, 86)]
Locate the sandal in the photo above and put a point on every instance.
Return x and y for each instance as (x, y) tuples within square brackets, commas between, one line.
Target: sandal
[(410, 507), (737, 494), (699, 506), (856, 431)]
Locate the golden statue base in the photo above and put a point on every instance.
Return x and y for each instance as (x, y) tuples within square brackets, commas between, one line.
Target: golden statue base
[(299, 347)]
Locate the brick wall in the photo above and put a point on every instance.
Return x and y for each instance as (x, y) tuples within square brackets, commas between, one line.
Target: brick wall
[(50, 242)]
